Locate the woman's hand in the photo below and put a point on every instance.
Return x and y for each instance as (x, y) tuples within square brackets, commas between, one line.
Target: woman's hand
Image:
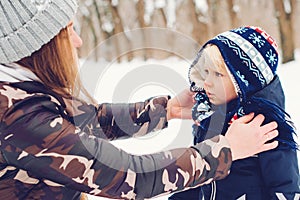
[(180, 106), (247, 137)]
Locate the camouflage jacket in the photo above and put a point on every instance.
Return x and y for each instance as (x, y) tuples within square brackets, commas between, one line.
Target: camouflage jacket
[(56, 148)]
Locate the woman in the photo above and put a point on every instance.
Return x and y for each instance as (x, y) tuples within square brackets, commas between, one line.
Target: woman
[(54, 145)]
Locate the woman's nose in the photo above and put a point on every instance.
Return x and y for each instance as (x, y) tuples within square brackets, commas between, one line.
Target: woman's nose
[(76, 39)]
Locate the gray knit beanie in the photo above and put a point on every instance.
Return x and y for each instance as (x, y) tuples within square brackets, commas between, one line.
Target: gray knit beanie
[(26, 25)]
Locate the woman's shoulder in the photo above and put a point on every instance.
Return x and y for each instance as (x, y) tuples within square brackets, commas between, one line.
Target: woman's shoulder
[(24, 97), (21, 98), (20, 91)]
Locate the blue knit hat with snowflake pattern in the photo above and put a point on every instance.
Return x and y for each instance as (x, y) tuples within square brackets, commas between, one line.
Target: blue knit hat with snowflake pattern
[(251, 57)]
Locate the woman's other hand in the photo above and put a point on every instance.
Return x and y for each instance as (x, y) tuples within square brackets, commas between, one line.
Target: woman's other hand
[(248, 137)]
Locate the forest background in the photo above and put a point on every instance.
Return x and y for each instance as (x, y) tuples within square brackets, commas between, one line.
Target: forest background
[(194, 20)]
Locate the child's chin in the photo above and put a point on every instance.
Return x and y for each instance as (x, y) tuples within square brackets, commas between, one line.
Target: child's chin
[(216, 102), (213, 101)]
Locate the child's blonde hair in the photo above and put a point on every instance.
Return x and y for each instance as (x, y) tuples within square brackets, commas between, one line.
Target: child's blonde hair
[(210, 56)]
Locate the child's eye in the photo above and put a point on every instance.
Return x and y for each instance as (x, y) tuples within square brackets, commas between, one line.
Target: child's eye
[(218, 74)]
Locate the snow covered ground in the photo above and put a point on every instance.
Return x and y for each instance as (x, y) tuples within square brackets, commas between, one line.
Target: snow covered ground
[(138, 80)]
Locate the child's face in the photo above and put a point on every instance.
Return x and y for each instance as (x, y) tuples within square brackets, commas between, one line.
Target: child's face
[(217, 81), (218, 85)]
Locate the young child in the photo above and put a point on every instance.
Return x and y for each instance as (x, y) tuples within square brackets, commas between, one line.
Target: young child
[(235, 74)]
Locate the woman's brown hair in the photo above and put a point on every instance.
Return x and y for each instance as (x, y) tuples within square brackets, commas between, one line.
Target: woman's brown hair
[(56, 65)]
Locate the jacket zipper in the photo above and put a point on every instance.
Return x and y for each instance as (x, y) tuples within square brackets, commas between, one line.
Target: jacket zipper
[(213, 191)]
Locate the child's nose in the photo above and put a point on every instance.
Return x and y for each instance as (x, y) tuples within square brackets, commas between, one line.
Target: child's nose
[(207, 81)]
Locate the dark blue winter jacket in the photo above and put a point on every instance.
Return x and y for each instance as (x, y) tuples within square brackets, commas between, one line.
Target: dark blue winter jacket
[(267, 176)]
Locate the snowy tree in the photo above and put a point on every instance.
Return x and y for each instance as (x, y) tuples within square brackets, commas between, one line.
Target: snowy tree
[(112, 22), (284, 11)]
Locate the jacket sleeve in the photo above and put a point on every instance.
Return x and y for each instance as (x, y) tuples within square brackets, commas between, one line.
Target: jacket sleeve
[(280, 172), (44, 146), (111, 121), (133, 119)]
